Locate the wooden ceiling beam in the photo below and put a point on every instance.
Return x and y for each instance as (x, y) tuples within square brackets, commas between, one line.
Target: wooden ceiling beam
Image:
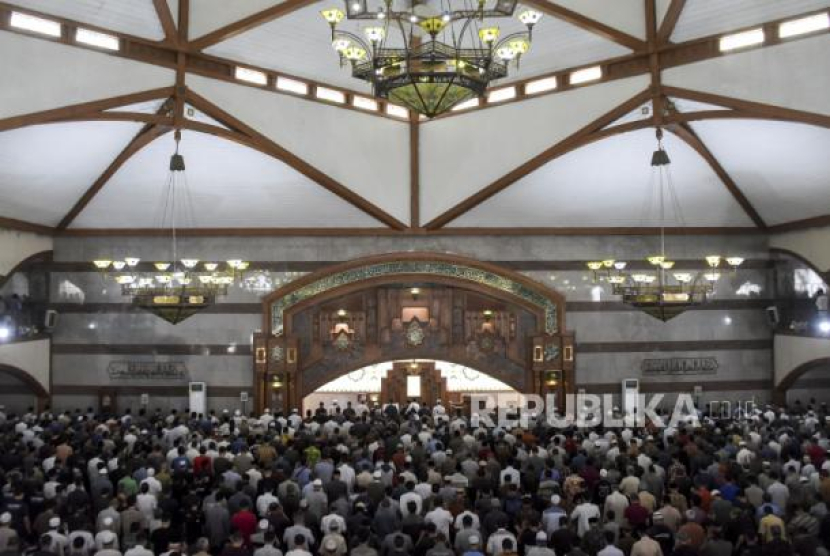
[(256, 140), (260, 18), (144, 137), (587, 134), (82, 109), (686, 134), (165, 16), (814, 222), (751, 108), (414, 171), (670, 20), (23, 226), (588, 24), (410, 232)]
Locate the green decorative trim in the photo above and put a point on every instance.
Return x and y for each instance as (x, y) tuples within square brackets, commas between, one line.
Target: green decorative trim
[(437, 268)]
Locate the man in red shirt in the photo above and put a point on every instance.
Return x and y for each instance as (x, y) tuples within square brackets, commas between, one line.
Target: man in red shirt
[(636, 514), (202, 464), (244, 522)]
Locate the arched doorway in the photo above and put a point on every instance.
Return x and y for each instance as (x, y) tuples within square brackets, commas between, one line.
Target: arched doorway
[(406, 306), (397, 382), (19, 391), (810, 380)]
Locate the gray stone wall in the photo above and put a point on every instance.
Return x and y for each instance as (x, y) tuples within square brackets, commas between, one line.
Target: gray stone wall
[(97, 326)]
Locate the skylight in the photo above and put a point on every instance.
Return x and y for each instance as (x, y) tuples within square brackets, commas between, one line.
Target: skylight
[(804, 25), (94, 38), (292, 85), (324, 93), (500, 95), (251, 76), (741, 40), (397, 111), (466, 105), (35, 24), (365, 103), (540, 85), (585, 75)]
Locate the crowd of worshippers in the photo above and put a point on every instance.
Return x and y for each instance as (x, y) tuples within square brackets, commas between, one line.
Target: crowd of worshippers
[(418, 482)]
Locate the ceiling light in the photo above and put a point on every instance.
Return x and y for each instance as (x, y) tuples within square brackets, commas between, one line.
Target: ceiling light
[(741, 40), (35, 24), (804, 25), (99, 40), (441, 71)]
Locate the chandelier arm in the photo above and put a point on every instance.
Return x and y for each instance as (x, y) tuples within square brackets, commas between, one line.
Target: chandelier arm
[(353, 37), (510, 37)]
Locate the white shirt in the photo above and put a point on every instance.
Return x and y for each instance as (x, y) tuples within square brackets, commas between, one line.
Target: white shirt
[(442, 520), (582, 514)]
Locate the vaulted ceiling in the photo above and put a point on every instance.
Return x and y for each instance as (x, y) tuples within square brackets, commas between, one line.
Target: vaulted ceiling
[(86, 134)]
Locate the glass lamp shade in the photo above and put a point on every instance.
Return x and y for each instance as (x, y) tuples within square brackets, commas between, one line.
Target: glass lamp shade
[(595, 265), (430, 99), (210, 267), (529, 17), (656, 259), (102, 264), (713, 260), (190, 263), (333, 16), (118, 265), (520, 46), (161, 266), (505, 53), (489, 35), (132, 261), (375, 35), (734, 261)]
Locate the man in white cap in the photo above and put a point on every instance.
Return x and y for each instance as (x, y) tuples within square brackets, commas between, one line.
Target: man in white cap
[(108, 529), (6, 531), (109, 544), (541, 547), (58, 542)]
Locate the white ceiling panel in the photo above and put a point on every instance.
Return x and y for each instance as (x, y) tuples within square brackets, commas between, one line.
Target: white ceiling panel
[(626, 15), (44, 170), (367, 154), (701, 18), (559, 45), (464, 153), (642, 112), (210, 15), (298, 44), (229, 186), (610, 183), (133, 17), (49, 75), (781, 167), (683, 105), (793, 75)]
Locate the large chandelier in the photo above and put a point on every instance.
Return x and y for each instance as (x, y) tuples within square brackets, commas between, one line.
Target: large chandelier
[(178, 287), (434, 54), (661, 290)]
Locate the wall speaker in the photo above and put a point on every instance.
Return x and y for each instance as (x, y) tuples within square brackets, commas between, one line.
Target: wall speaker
[(773, 318), (50, 321)]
